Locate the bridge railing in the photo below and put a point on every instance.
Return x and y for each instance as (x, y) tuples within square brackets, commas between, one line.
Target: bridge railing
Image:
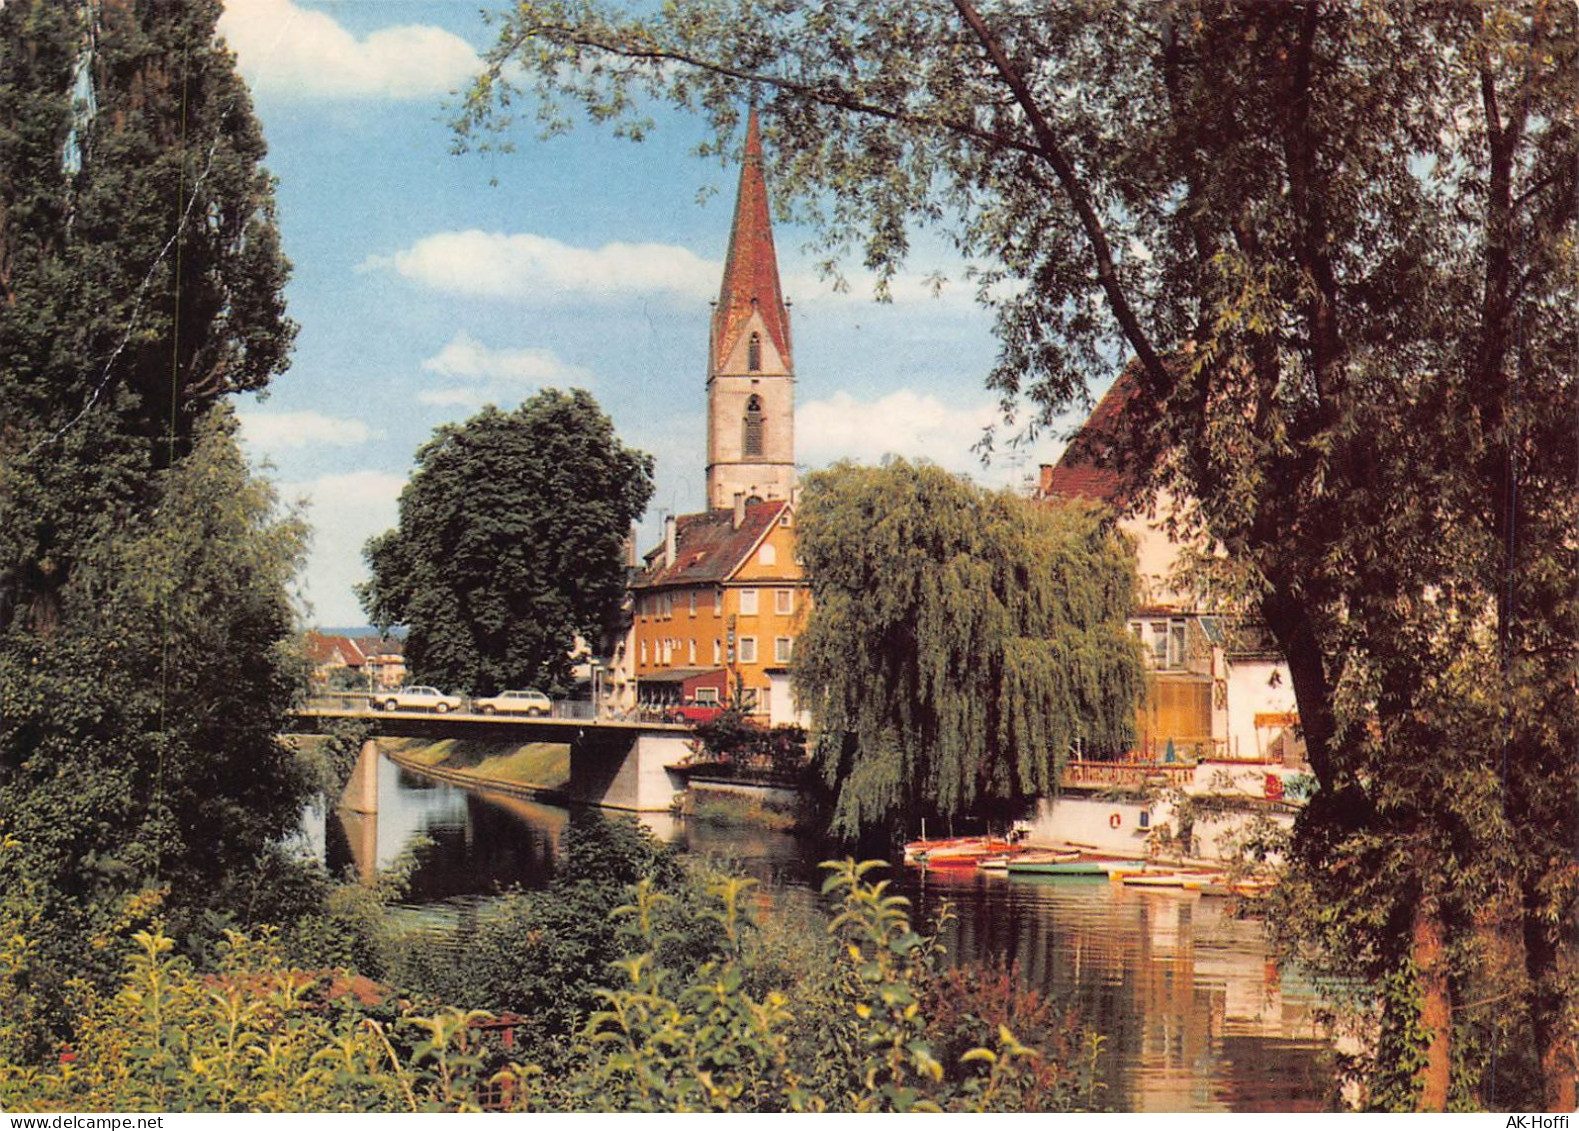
[(361, 701)]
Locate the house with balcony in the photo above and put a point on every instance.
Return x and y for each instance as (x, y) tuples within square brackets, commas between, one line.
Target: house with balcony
[(1219, 718)]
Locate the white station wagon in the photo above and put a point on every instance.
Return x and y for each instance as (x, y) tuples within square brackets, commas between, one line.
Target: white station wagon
[(419, 699), (533, 703)]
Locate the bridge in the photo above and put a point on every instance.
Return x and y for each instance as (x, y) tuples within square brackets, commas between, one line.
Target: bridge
[(614, 763)]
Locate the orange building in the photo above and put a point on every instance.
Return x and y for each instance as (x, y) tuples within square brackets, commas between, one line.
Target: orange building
[(717, 607)]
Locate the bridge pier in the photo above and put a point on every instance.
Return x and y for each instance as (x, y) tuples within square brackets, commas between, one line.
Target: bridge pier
[(622, 769), (361, 791)]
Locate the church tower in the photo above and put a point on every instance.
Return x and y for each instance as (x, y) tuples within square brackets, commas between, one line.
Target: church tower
[(751, 373)]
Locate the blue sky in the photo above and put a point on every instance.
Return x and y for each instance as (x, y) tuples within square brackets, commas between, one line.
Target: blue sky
[(427, 284)]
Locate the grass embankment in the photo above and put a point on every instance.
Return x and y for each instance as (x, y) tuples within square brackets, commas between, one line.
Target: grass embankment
[(737, 810), (541, 765)]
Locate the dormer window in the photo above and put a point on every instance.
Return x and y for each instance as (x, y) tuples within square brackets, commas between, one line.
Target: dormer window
[(753, 426), (754, 353)]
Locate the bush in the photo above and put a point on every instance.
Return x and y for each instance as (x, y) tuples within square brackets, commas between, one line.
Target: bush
[(712, 1007)]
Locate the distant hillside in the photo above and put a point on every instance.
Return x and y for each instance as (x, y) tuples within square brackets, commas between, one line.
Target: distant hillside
[(356, 632)]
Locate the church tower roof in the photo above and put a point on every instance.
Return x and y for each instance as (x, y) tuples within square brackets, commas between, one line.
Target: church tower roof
[(751, 270)]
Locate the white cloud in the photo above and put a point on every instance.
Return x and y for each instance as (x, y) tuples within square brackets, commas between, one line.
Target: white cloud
[(465, 356), (277, 431), (345, 511), (500, 265), (523, 265), (452, 398), (287, 51), (903, 423)]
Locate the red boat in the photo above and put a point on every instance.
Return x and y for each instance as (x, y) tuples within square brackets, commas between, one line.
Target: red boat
[(954, 852)]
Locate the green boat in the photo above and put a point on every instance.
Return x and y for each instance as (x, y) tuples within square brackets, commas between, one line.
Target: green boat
[(1059, 868)]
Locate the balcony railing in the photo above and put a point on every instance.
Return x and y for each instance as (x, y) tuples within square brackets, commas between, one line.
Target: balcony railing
[(1081, 774)]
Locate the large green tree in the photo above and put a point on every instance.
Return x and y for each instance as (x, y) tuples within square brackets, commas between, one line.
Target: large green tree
[(143, 608), (1340, 245), (141, 769), (961, 642), (510, 544), (140, 273)]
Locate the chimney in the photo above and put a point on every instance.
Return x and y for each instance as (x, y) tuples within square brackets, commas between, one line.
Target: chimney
[(669, 552), (740, 509), (632, 554), (1044, 487)]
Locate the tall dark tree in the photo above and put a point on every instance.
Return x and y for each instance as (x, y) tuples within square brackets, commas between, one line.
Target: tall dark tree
[(143, 604), (1341, 246), (961, 642), (141, 278), (510, 544)]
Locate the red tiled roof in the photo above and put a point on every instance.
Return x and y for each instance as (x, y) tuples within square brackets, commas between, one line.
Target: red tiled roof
[(1090, 467), (323, 649), (751, 270), (708, 547)]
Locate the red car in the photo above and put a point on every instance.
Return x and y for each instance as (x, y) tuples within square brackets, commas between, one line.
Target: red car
[(694, 713)]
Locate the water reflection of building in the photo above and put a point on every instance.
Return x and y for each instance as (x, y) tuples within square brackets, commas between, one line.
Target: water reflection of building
[(1195, 1016)]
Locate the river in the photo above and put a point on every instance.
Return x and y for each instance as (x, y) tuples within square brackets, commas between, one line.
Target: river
[(1196, 1015)]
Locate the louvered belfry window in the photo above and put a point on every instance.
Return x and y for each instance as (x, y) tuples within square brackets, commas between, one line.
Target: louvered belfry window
[(754, 353), (753, 438)]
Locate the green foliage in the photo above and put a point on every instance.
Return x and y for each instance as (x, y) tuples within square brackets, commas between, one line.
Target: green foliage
[(961, 641), (735, 738), (510, 544), (141, 278), (713, 1007), (544, 955), (743, 1030), (140, 763), (143, 611), (255, 1036)]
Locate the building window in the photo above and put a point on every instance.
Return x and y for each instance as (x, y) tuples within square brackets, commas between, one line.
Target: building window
[(754, 353), (748, 602), (1176, 655), (693, 602), (707, 695), (668, 652), (644, 653), (767, 555), (1159, 643), (784, 601), (748, 649), (718, 602), (781, 649), (753, 422), (718, 652), (692, 660)]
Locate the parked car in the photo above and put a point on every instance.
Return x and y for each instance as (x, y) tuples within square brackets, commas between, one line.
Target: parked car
[(532, 703), (694, 713), (418, 699)]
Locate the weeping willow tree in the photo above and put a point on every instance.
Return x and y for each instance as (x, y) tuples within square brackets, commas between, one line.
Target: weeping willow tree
[(961, 642)]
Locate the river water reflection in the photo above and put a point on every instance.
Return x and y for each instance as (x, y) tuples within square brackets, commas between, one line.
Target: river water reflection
[(1196, 1016)]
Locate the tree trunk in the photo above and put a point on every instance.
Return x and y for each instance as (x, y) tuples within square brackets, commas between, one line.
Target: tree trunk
[(1436, 1007), (1553, 1041)]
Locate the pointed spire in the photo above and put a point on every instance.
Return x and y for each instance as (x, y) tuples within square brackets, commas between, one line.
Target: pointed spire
[(751, 270)]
